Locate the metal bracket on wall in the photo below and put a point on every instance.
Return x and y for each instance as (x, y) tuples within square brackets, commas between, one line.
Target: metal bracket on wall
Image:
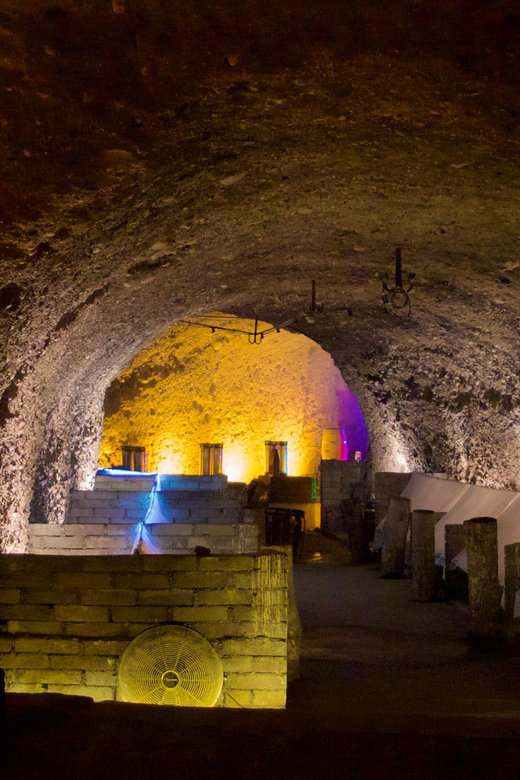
[(254, 337), (318, 308), (398, 295)]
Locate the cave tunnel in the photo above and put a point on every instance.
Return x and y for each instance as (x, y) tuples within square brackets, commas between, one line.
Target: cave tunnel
[(161, 181), (178, 177)]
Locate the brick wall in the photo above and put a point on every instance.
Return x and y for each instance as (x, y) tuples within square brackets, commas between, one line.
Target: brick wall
[(65, 621), (118, 538)]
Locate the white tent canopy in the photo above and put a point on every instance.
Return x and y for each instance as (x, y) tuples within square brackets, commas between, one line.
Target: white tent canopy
[(462, 502)]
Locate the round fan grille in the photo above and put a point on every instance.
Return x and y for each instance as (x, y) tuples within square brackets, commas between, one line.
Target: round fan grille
[(170, 665)]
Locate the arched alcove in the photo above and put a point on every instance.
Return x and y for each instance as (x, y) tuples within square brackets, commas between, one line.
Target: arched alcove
[(196, 385)]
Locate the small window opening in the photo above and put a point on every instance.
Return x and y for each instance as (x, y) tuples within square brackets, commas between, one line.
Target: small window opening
[(211, 459), (276, 458), (134, 458)]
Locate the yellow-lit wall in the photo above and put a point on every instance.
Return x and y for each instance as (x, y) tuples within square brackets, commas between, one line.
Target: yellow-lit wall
[(192, 386)]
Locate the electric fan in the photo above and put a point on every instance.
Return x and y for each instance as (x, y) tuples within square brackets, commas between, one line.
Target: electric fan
[(170, 664)]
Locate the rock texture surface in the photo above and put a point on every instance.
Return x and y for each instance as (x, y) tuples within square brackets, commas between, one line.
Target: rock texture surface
[(147, 180)]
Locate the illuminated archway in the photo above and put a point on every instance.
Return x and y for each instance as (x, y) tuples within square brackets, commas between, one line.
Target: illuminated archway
[(195, 385)]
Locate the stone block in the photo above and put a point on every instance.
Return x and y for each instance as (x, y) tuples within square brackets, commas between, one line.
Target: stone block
[(201, 614), (81, 614), (237, 663), (269, 699), (166, 597), (109, 597), (169, 563), (239, 580), (16, 687), (139, 581), (6, 644), (227, 563), (44, 529), (24, 580), (270, 664), (126, 530), (55, 596), (168, 529), (152, 614), (62, 676), (24, 661), (106, 545), (107, 679), (200, 579), (254, 646), (9, 596), (45, 645), (97, 630), (235, 698), (257, 681), (113, 563), (80, 510), (224, 596), (93, 663), (27, 612), (85, 580), (33, 627), (103, 647)]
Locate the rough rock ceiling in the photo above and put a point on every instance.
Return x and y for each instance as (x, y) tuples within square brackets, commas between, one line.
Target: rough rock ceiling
[(231, 195)]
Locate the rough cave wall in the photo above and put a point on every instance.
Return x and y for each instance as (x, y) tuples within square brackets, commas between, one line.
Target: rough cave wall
[(193, 386), (129, 204)]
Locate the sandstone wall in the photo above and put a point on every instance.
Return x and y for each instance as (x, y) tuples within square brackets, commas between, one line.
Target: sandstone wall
[(193, 386), (66, 621)]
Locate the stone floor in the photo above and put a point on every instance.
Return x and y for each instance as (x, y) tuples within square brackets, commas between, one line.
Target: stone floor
[(389, 689), (369, 648)]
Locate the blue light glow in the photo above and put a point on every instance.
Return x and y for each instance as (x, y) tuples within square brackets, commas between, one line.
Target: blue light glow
[(125, 473)]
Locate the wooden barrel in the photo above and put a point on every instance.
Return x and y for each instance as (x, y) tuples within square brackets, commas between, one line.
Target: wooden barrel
[(334, 445)]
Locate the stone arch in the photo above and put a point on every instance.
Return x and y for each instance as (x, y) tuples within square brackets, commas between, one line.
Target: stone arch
[(194, 384)]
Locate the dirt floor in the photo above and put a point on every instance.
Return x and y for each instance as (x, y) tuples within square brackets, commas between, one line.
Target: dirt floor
[(389, 689)]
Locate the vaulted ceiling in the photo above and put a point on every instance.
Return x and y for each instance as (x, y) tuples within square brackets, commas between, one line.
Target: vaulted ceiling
[(144, 183)]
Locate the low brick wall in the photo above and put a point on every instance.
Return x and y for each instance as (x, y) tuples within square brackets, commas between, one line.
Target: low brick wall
[(65, 621), (119, 538)]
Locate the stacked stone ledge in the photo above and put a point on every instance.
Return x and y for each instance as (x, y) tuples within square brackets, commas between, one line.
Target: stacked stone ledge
[(394, 538), (65, 621)]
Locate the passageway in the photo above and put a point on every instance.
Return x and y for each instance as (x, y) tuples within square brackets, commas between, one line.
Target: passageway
[(368, 648)]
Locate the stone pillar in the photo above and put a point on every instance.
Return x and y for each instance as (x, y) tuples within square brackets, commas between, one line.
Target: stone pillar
[(424, 571), (394, 544), (337, 482), (454, 541), (357, 527), (512, 583), (484, 593)]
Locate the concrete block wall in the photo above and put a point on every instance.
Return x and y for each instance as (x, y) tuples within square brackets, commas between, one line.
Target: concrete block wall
[(337, 481), (155, 538), (65, 622), (179, 506)]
